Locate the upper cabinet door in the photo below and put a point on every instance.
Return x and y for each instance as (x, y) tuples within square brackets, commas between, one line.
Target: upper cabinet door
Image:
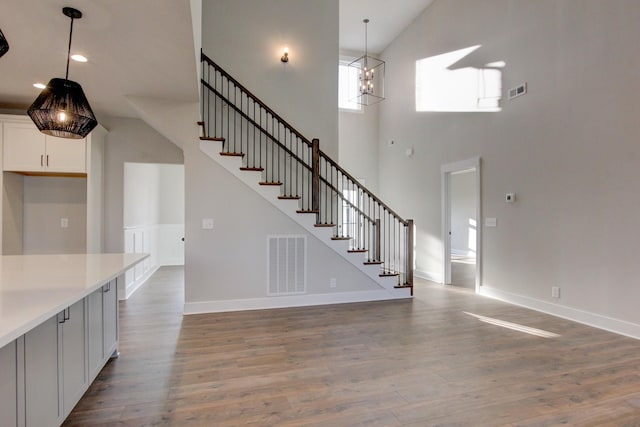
[(24, 147), (65, 155)]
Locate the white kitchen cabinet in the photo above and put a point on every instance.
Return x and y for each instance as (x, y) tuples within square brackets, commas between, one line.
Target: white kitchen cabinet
[(30, 158), (8, 386), (26, 149), (43, 389)]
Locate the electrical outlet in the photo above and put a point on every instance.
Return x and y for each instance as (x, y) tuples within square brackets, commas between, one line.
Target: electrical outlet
[(64, 222), (333, 283), (207, 223), (555, 292)]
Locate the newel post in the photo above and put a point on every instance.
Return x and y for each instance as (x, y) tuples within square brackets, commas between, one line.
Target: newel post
[(409, 252), (315, 178)]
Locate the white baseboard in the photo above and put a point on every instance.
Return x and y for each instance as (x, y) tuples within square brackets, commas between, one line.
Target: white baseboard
[(293, 301), (587, 318), (129, 290), (426, 275)]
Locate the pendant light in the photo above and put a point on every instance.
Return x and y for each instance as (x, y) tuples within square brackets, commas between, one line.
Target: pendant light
[(62, 109), (4, 44), (370, 72)]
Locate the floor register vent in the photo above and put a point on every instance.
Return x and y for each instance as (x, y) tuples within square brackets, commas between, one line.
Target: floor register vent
[(287, 265)]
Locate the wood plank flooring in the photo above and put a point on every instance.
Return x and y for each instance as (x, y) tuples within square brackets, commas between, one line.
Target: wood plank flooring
[(402, 363)]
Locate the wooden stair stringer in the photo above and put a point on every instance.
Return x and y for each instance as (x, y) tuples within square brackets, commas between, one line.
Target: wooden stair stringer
[(289, 207)]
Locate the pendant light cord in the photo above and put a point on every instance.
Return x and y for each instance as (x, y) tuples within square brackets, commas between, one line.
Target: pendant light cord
[(66, 76)]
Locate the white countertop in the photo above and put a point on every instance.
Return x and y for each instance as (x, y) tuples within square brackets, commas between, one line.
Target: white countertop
[(34, 288)]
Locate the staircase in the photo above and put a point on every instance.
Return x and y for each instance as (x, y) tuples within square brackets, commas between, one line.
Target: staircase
[(261, 149)]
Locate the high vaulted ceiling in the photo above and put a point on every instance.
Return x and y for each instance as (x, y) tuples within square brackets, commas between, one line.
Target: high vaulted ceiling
[(387, 20), (141, 47)]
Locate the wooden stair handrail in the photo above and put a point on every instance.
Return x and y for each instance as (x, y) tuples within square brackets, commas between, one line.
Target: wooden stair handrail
[(255, 98)]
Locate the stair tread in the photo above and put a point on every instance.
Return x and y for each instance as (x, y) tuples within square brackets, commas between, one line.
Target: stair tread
[(226, 153), (307, 212), (324, 225), (373, 262), (388, 274), (251, 169), (340, 238), (270, 183), (212, 138), (289, 197), (355, 251)]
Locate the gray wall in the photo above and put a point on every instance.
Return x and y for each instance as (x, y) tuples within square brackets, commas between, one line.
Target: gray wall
[(46, 201), (128, 140), (246, 38), (358, 133), (568, 148)]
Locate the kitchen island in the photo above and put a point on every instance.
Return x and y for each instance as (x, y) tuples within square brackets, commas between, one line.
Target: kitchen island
[(58, 328)]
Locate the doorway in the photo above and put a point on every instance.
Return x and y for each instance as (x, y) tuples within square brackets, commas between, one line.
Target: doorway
[(461, 225), (153, 220)]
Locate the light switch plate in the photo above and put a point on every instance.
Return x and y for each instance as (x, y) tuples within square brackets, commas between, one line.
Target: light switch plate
[(491, 222), (64, 222), (207, 223)]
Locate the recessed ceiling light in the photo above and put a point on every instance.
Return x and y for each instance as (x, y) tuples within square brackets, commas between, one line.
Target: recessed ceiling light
[(79, 58), (39, 85)]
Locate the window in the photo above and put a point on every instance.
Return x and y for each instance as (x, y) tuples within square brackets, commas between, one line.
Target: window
[(347, 87)]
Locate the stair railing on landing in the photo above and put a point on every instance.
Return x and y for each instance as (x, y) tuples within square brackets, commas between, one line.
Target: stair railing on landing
[(247, 127)]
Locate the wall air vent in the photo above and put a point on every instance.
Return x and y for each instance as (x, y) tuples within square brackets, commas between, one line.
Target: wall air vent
[(517, 91), (286, 265)]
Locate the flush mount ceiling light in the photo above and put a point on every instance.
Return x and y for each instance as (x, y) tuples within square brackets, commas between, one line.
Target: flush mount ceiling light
[(4, 44), (62, 109), (79, 58), (370, 72)]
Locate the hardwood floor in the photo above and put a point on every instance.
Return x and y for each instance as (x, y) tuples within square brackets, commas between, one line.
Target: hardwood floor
[(401, 363)]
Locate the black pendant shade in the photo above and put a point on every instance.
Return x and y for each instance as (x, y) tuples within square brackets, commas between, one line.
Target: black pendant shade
[(4, 44), (61, 109)]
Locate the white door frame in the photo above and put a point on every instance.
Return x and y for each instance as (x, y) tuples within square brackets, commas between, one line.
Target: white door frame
[(446, 171)]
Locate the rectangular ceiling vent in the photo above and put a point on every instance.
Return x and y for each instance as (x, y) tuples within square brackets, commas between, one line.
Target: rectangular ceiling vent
[(286, 265)]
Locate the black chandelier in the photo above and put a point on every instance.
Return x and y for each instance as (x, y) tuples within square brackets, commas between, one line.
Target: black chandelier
[(62, 109), (4, 44)]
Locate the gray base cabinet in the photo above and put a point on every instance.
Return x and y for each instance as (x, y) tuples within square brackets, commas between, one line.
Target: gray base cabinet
[(44, 373), (103, 326), (74, 366), (42, 369), (8, 386)]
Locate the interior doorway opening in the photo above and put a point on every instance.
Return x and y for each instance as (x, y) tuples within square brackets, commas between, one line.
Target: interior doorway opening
[(461, 225)]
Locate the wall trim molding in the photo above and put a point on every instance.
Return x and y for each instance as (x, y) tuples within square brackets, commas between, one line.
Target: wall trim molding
[(128, 291), (599, 321), (222, 306)]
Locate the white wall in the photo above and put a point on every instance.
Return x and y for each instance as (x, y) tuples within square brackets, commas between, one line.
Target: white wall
[(568, 149), (246, 38), (463, 210)]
